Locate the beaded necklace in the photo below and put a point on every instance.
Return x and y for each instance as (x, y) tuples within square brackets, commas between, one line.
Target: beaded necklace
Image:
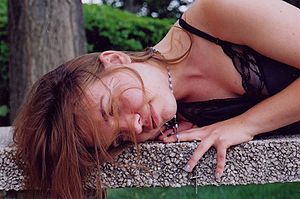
[(172, 124)]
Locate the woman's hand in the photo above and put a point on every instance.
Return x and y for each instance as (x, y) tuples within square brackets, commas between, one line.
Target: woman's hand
[(183, 126), (221, 135)]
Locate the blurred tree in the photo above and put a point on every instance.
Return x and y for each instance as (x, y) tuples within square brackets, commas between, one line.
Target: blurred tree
[(166, 9), (132, 5), (161, 9), (154, 8), (42, 35)]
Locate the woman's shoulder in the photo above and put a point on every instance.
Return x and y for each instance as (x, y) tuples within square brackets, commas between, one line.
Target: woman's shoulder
[(227, 18), (267, 26), (222, 17)]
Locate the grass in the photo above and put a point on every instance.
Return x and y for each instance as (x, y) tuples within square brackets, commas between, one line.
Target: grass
[(268, 191)]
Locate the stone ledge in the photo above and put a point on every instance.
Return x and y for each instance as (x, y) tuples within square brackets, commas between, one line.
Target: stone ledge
[(159, 165)]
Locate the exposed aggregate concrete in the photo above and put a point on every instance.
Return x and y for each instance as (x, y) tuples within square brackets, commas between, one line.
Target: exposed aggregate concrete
[(160, 165)]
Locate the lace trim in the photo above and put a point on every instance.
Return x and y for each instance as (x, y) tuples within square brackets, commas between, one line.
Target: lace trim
[(245, 63)]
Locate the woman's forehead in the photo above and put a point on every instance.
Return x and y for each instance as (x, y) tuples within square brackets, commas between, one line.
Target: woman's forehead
[(97, 90), (118, 86)]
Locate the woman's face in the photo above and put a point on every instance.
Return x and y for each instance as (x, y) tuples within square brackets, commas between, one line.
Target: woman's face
[(144, 113)]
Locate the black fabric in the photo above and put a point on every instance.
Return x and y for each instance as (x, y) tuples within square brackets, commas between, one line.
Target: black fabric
[(244, 61), (197, 32), (277, 75), (261, 77), (204, 113)]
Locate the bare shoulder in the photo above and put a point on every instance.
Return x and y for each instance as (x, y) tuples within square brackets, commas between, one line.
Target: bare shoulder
[(227, 16), (269, 26)]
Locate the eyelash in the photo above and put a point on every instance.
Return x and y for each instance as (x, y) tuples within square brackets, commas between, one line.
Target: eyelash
[(105, 115), (119, 140)]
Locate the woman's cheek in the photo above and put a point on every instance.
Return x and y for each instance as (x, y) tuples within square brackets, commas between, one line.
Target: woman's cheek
[(132, 99)]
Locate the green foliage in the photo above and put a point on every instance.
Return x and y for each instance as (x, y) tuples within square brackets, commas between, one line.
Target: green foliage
[(111, 28), (3, 13), (3, 44), (3, 60), (3, 110)]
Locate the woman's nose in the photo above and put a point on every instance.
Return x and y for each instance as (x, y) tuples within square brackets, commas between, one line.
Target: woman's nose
[(132, 122)]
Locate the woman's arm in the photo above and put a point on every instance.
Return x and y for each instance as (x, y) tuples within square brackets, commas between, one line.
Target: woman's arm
[(270, 27), (277, 111)]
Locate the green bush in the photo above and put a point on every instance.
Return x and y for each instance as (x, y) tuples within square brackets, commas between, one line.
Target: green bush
[(3, 110), (3, 45), (111, 28), (3, 62)]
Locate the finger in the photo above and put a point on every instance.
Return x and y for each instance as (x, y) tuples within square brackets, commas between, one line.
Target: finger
[(221, 160), (198, 153), (163, 128), (171, 138), (183, 126), (166, 134), (187, 135)]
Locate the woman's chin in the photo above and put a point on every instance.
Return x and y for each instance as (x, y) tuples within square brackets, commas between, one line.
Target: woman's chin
[(148, 136)]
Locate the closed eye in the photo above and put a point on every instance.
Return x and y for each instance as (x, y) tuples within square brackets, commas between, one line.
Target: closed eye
[(105, 114), (122, 139)]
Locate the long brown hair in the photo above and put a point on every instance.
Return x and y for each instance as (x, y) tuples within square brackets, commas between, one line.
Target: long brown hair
[(51, 127)]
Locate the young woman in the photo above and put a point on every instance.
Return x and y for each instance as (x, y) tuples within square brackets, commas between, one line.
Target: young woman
[(225, 72)]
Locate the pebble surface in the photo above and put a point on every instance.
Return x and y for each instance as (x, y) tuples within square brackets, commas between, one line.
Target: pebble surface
[(160, 165)]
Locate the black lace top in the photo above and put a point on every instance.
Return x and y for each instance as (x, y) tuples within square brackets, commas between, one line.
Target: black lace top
[(261, 77)]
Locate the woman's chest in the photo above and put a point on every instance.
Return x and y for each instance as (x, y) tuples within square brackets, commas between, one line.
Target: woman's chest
[(212, 75)]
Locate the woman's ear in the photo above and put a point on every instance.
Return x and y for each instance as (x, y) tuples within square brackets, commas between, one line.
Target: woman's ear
[(110, 58)]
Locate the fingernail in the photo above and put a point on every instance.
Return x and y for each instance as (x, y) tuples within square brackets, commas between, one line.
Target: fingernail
[(187, 168), (167, 139)]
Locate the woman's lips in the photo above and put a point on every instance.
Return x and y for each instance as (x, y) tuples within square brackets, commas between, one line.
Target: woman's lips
[(154, 117)]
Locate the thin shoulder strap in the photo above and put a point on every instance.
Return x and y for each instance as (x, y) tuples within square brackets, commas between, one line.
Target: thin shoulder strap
[(198, 32)]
